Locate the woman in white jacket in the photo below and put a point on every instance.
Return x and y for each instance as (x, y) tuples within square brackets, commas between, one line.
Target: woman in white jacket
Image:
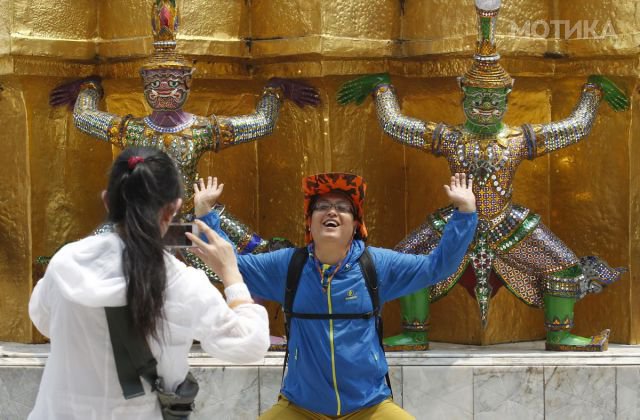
[(171, 304)]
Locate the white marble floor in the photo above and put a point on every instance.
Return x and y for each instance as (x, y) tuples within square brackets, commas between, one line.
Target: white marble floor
[(509, 381)]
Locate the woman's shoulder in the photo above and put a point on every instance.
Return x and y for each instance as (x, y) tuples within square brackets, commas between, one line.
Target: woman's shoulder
[(183, 277), (87, 249), (89, 271)]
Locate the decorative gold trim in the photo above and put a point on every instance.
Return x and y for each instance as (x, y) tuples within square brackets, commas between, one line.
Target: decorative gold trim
[(275, 91), (416, 326), (227, 136), (559, 325)]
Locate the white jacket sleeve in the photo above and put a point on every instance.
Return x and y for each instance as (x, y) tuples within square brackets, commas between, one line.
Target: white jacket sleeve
[(239, 335), (39, 310)]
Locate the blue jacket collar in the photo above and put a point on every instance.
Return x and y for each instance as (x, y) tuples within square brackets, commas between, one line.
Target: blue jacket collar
[(357, 248)]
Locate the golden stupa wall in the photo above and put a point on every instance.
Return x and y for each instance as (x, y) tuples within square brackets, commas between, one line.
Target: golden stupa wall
[(589, 194)]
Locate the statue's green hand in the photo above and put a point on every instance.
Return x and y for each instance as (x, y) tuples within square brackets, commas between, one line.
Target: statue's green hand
[(614, 96), (357, 90)]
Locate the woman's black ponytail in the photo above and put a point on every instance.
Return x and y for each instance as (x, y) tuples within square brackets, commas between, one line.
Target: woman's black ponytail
[(143, 182)]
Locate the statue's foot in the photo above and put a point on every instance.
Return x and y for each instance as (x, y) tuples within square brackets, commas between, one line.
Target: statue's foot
[(277, 343), (564, 341), (408, 341)]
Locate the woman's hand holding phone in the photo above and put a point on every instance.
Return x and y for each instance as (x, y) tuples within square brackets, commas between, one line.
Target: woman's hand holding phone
[(218, 254)]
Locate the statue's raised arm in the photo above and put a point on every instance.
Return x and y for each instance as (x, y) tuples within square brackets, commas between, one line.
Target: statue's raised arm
[(406, 130), (245, 128), (546, 138), (83, 96)]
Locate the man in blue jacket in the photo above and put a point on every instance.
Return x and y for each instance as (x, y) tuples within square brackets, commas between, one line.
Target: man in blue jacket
[(337, 367)]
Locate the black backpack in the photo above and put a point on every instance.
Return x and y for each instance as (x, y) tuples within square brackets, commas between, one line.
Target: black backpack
[(296, 265)]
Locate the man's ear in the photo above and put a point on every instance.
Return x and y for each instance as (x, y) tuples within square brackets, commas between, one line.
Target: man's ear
[(104, 200)]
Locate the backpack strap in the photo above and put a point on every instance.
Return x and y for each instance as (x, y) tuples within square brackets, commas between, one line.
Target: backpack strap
[(296, 265), (366, 315), (293, 278), (371, 278), (131, 352)]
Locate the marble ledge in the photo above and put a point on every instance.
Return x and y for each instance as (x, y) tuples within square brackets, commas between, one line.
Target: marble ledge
[(440, 354)]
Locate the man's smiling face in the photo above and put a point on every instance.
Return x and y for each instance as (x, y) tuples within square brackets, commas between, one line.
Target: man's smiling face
[(332, 219)]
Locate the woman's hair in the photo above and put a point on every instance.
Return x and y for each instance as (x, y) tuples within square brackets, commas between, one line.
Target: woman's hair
[(142, 182)]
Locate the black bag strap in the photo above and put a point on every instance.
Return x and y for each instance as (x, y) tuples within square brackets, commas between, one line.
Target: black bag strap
[(131, 351), (296, 265), (371, 278)]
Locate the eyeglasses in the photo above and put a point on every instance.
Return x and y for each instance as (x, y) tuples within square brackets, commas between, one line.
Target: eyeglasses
[(341, 207)]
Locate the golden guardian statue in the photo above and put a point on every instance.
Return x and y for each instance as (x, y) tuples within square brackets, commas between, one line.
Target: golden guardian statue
[(512, 247)]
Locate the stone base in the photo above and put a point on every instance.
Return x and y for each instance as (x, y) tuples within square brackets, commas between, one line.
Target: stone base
[(508, 381)]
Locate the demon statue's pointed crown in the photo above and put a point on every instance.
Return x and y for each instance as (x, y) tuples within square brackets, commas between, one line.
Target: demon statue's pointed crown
[(486, 71), (165, 20)]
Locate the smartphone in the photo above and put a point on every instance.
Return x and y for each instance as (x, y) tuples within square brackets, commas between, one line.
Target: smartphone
[(175, 236)]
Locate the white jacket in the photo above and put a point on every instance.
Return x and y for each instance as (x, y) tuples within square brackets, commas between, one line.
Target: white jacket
[(67, 305)]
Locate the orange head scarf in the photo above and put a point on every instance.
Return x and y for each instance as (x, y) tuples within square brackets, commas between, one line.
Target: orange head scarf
[(353, 186)]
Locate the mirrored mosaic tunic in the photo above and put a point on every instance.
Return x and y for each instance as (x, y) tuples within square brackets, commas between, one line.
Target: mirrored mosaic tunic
[(184, 143), (510, 239)]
